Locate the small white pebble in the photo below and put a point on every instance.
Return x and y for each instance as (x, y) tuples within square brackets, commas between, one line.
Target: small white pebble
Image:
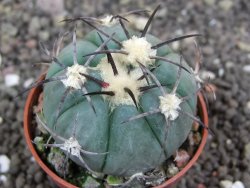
[(243, 46), (226, 4), (248, 105), (55, 7), (217, 61), (3, 179), (207, 75), (238, 184), (210, 2), (140, 23), (1, 120), (229, 64), (162, 13), (226, 184), (246, 68), (0, 60), (212, 22), (179, 32), (229, 141), (11, 79), (184, 12), (221, 72), (214, 145), (176, 45), (137, 22), (28, 82), (4, 164), (32, 159)]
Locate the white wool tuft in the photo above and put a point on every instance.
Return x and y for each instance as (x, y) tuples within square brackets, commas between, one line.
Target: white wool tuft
[(106, 69), (72, 146), (169, 106), (74, 78), (119, 82), (139, 49), (106, 21)]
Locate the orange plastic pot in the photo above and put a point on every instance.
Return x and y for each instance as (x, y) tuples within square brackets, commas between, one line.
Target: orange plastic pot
[(29, 136)]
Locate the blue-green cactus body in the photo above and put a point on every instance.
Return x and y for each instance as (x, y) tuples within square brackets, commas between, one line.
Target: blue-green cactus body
[(136, 146)]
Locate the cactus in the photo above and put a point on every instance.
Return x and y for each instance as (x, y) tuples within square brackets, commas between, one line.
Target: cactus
[(119, 102)]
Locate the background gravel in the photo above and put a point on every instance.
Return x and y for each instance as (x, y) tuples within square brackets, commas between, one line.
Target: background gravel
[(226, 50)]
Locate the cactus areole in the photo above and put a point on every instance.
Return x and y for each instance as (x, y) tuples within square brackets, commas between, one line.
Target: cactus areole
[(111, 118)]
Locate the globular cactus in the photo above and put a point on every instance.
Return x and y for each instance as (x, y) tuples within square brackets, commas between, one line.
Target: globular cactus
[(119, 102)]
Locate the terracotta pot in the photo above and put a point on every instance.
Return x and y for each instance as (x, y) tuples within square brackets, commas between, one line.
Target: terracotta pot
[(29, 136)]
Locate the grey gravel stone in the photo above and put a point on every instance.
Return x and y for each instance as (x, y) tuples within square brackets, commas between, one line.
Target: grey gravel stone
[(9, 29), (15, 160), (44, 35), (34, 25), (27, 186), (246, 179), (40, 186), (223, 170), (20, 181), (247, 151), (39, 176)]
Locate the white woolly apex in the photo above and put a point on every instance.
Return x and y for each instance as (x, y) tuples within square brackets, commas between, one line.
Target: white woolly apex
[(74, 78), (117, 83), (106, 21), (72, 146), (139, 49), (106, 69), (169, 106)]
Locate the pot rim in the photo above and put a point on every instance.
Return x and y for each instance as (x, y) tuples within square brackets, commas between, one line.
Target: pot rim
[(28, 113)]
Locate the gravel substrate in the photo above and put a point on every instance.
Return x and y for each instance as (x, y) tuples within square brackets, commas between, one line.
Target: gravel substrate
[(226, 55)]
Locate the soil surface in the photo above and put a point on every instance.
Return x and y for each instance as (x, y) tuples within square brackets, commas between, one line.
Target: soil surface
[(225, 44)]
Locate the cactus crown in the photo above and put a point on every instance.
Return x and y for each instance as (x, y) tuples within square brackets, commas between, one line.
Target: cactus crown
[(135, 97)]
